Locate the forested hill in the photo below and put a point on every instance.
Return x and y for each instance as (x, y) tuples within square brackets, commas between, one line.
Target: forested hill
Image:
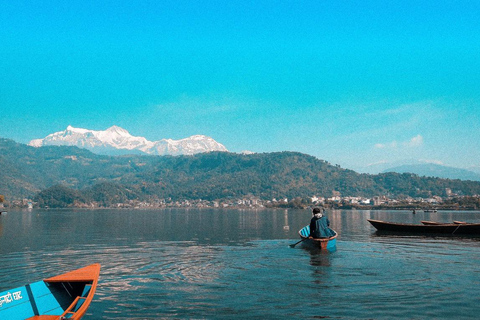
[(25, 171)]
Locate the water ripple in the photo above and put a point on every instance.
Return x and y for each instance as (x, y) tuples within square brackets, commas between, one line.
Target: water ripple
[(152, 274)]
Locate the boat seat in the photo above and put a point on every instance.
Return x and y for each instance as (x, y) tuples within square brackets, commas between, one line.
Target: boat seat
[(76, 304), (73, 308)]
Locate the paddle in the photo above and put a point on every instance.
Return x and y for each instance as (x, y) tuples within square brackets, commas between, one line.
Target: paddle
[(293, 245)]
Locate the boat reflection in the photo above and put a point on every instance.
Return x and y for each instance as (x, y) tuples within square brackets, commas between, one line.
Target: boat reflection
[(318, 257), (321, 263)]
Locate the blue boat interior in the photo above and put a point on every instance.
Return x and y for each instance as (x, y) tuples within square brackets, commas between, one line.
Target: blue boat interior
[(305, 232), (41, 298)]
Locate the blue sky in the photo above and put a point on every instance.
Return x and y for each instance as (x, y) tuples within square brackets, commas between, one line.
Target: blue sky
[(350, 82)]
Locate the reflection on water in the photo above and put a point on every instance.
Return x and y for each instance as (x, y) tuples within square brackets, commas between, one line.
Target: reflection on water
[(286, 226), (237, 264)]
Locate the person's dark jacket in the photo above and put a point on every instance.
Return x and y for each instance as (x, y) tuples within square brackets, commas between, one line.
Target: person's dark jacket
[(319, 227)]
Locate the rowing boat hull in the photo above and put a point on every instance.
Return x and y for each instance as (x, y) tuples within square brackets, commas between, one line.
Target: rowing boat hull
[(428, 228), (67, 295), (324, 244)]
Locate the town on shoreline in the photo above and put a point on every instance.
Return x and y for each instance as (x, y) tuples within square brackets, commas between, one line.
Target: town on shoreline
[(336, 202)]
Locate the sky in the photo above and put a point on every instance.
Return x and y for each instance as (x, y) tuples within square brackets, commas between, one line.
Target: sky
[(351, 82)]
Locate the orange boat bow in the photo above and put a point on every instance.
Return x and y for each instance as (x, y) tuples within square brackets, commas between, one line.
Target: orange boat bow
[(90, 275)]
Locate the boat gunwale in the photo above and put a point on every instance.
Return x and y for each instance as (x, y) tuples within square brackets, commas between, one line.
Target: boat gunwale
[(434, 223), (319, 239), (77, 315), (88, 275)]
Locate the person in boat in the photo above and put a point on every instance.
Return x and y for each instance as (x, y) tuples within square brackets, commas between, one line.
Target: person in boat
[(319, 225)]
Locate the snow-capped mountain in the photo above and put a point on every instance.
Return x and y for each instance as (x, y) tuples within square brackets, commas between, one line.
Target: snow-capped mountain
[(191, 145), (116, 140)]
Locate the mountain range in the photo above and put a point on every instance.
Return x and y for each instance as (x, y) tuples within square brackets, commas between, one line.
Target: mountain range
[(25, 171), (423, 168), (117, 141)]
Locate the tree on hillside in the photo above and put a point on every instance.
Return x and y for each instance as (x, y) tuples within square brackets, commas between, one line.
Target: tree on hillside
[(108, 193), (58, 196), (108, 180)]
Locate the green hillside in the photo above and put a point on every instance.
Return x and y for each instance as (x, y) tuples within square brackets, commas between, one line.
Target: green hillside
[(26, 171)]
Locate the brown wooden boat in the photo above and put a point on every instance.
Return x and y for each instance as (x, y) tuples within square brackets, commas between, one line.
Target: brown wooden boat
[(432, 228)]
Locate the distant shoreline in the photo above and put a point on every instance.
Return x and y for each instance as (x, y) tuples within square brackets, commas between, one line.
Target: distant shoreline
[(373, 208)]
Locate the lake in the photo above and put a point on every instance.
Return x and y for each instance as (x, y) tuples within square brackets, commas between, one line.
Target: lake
[(237, 264)]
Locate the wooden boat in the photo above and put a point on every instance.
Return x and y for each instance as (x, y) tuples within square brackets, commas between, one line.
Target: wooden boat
[(325, 244), (432, 228), (66, 296)]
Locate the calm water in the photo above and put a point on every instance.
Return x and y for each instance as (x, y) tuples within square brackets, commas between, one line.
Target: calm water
[(235, 264)]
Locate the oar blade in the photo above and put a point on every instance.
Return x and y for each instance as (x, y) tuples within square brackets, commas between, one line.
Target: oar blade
[(293, 245)]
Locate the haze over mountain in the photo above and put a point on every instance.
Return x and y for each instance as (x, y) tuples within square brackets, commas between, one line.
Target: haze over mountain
[(422, 168), (436, 170), (475, 169), (116, 140)]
